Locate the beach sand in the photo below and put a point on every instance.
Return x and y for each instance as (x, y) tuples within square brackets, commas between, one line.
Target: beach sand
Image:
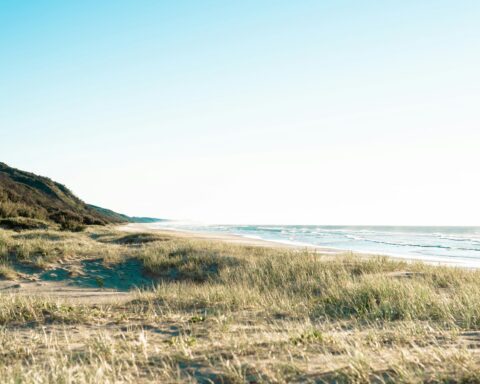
[(242, 240), (228, 238)]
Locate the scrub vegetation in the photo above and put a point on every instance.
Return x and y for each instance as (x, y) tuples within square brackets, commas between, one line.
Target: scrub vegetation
[(29, 201), (213, 312)]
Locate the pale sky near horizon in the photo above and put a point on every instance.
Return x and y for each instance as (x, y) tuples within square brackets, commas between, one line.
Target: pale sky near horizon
[(301, 112)]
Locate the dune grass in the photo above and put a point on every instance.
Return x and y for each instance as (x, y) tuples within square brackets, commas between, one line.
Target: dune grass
[(227, 313)]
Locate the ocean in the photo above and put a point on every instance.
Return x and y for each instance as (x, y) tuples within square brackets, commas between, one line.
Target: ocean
[(458, 246)]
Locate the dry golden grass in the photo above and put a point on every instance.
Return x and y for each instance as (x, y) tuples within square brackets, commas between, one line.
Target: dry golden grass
[(226, 313)]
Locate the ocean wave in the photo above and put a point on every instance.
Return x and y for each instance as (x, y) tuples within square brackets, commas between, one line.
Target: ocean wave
[(432, 242), (459, 239), (416, 245)]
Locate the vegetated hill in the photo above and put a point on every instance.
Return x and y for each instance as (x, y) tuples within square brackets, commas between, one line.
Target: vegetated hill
[(121, 217), (26, 195)]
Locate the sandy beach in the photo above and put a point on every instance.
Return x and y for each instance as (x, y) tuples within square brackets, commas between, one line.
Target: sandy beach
[(228, 238), (242, 240)]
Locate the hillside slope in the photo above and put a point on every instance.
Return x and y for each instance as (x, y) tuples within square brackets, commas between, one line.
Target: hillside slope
[(121, 217), (24, 194)]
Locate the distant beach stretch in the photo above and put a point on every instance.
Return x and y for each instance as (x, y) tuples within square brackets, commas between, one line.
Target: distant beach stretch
[(459, 246)]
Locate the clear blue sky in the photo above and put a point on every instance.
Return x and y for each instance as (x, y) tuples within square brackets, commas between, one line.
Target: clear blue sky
[(327, 112)]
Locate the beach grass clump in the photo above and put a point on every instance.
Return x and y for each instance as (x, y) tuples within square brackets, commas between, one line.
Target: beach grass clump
[(23, 309), (44, 248), (139, 238), (380, 298), (383, 298), (184, 260), (191, 298), (7, 272)]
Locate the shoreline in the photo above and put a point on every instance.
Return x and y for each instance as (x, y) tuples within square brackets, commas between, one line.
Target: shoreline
[(228, 238), (247, 241)]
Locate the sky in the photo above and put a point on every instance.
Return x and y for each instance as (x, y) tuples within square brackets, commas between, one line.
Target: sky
[(254, 111)]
